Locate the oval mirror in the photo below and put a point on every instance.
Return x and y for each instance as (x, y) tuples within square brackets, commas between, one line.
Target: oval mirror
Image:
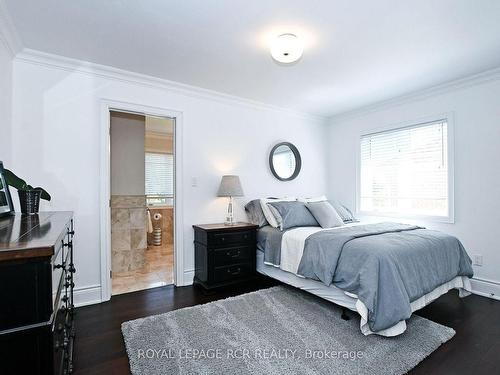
[(284, 161)]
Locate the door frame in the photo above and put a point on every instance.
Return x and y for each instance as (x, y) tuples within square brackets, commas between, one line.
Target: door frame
[(105, 187)]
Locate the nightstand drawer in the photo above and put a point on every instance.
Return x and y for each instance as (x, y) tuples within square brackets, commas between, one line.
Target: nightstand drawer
[(232, 272), (231, 238), (232, 255)]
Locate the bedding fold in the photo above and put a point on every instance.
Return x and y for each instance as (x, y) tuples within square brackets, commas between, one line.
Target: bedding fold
[(387, 265)]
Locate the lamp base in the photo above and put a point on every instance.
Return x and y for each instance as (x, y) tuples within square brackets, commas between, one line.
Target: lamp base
[(230, 215), (229, 223)]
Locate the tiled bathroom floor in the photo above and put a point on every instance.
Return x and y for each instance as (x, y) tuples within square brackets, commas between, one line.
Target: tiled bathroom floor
[(157, 271)]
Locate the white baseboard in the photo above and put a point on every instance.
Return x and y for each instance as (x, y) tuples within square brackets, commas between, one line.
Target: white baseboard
[(91, 295), (485, 288), (87, 295), (188, 277)]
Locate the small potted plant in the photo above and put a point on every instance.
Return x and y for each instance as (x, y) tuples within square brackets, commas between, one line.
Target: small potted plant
[(29, 197)]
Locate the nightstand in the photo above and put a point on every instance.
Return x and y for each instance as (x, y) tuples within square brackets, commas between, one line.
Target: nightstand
[(224, 254)]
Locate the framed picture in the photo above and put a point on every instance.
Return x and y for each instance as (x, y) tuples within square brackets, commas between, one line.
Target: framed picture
[(6, 206)]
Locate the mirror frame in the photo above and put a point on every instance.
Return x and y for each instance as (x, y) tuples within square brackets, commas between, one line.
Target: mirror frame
[(298, 161)]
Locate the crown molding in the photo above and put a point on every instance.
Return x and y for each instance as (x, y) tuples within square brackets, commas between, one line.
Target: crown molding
[(8, 33), (88, 68), (447, 87)]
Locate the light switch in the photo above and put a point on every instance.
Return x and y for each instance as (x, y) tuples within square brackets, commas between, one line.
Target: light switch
[(194, 182)]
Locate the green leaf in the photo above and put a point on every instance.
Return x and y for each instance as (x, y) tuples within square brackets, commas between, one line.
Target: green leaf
[(44, 194), (20, 184), (14, 181)]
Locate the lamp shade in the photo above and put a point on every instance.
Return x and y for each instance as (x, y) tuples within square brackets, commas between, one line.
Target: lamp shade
[(230, 186)]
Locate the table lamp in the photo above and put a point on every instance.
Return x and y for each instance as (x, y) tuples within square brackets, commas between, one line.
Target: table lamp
[(230, 186)]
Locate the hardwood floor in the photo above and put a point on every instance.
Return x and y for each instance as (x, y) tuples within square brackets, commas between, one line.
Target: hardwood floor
[(99, 347)]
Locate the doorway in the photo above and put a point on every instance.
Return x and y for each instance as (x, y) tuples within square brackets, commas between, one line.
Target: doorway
[(142, 201)]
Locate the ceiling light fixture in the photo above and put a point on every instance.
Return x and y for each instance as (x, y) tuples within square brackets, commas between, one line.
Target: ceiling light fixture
[(287, 48)]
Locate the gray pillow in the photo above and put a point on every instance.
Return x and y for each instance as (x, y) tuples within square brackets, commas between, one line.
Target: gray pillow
[(292, 214), (255, 214), (344, 212), (325, 214)]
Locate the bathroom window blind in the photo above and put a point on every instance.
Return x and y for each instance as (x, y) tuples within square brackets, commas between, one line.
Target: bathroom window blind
[(159, 174), (405, 171)]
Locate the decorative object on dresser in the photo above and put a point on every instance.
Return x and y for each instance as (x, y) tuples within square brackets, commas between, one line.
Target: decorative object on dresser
[(224, 255), (6, 206), (29, 196), (230, 186), (36, 293)]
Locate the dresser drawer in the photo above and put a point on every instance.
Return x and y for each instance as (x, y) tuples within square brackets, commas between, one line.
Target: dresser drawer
[(25, 293), (233, 272), (231, 238), (232, 255)]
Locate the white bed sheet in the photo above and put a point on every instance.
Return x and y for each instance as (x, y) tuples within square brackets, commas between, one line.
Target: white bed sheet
[(292, 246)]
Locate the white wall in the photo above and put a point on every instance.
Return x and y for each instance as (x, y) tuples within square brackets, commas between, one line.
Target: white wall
[(56, 117), (5, 103), (476, 112), (128, 155)]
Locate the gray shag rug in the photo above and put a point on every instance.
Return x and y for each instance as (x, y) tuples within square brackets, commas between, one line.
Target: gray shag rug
[(280, 330)]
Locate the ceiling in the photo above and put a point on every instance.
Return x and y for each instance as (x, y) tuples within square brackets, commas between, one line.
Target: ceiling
[(356, 53)]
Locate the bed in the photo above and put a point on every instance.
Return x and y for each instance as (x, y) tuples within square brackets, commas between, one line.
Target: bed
[(383, 271)]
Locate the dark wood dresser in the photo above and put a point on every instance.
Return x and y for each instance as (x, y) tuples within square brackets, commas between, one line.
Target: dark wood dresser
[(224, 254), (36, 293)]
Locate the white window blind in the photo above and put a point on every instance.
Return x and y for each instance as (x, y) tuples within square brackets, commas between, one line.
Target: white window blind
[(405, 171), (159, 174)]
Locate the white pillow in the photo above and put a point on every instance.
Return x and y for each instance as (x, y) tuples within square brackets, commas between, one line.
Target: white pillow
[(321, 198), (267, 211)]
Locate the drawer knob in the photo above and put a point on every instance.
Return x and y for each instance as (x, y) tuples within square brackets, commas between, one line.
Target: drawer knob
[(237, 272), (234, 255)]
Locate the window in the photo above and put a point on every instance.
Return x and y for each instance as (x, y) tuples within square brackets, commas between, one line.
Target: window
[(159, 179), (406, 172)]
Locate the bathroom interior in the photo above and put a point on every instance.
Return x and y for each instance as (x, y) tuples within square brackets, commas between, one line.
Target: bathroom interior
[(142, 201)]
